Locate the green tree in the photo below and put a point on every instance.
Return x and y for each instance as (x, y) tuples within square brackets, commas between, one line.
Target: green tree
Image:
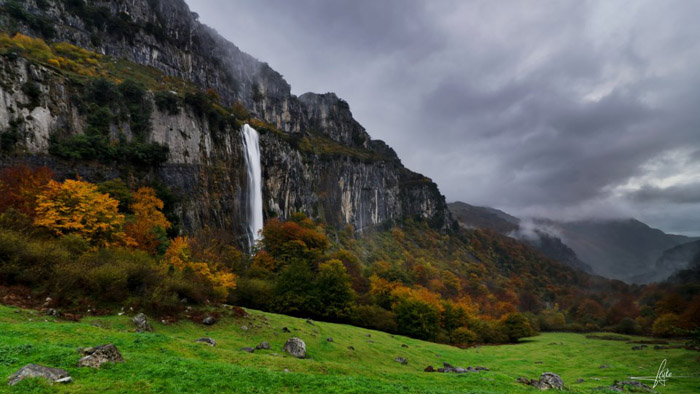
[(334, 291), (517, 326), (417, 319)]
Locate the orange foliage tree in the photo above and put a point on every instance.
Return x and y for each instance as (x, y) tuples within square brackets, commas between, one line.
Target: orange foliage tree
[(149, 223), (179, 256), (77, 207), (20, 186)]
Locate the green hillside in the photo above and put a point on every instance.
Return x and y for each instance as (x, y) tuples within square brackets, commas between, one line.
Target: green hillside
[(169, 361)]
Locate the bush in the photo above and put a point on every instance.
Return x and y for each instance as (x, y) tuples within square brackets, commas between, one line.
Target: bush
[(33, 93), (463, 337), (517, 326), (417, 319), (167, 102), (490, 331), (374, 316), (666, 325), (628, 326)]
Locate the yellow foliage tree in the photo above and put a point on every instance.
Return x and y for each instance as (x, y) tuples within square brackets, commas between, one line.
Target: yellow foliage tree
[(77, 207), (147, 220), (179, 256)]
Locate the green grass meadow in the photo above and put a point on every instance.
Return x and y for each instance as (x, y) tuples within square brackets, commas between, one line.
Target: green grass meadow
[(169, 361)]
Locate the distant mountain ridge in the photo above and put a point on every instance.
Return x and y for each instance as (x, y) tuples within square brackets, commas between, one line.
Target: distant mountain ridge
[(624, 249), (471, 216)]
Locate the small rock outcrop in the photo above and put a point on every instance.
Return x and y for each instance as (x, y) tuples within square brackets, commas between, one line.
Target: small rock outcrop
[(264, 345), (632, 386), (429, 368), (285, 329), (248, 349), (296, 347), (448, 368), (94, 357), (550, 380), (209, 320), (141, 322), (207, 340), (329, 339), (401, 360), (54, 375)]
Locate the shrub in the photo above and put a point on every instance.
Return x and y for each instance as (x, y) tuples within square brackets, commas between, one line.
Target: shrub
[(374, 316), (463, 337), (666, 325), (33, 93), (167, 102), (517, 326), (628, 326), (417, 319)]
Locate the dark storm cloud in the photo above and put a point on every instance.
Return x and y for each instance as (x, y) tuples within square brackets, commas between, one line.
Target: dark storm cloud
[(565, 109)]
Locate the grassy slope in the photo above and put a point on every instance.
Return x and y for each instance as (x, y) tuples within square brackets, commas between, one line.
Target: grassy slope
[(168, 361)]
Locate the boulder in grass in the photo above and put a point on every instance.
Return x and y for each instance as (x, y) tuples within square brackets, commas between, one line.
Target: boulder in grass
[(264, 345), (209, 321), (54, 375), (141, 322), (550, 380), (401, 360), (207, 340), (94, 357), (248, 349), (296, 347), (329, 339), (429, 368)]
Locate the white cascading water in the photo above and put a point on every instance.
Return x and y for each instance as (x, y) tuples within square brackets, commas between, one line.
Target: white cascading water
[(252, 161)]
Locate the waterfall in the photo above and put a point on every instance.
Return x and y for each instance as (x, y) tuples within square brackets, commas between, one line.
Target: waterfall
[(253, 167)]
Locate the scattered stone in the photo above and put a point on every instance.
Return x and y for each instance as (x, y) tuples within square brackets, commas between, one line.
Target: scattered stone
[(94, 357), (209, 321), (351, 348), (538, 362), (636, 348), (55, 375), (141, 322), (368, 335), (53, 312), (401, 360), (329, 339), (296, 347), (370, 341), (207, 340), (524, 380), (481, 369), (579, 380), (184, 301), (244, 328), (429, 368), (264, 345), (631, 385), (604, 366), (309, 321), (404, 345), (286, 370), (248, 349), (550, 380), (285, 329)]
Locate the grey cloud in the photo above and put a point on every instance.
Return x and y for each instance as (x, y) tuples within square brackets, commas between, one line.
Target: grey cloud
[(526, 106)]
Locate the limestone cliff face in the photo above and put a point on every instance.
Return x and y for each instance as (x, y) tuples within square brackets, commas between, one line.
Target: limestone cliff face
[(322, 161)]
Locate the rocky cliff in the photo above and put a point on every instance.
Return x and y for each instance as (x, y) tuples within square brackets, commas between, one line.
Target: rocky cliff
[(316, 157)]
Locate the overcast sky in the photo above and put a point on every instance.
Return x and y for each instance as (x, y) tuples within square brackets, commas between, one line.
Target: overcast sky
[(563, 109)]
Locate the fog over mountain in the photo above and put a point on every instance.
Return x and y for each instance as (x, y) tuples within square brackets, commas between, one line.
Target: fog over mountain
[(562, 110)]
